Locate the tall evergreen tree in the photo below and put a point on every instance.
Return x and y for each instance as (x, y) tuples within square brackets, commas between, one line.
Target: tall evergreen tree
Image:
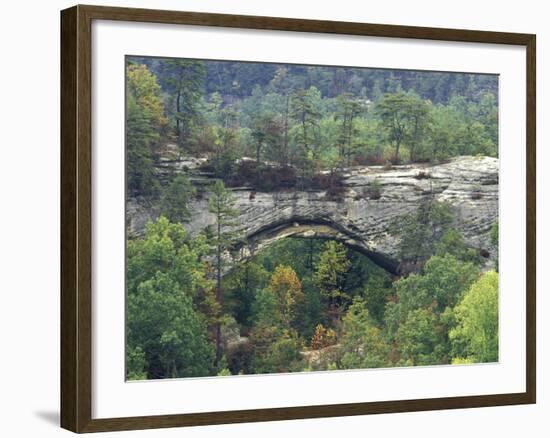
[(305, 111), (176, 199), (330, 277), (222, 205), (348, 109), (185, 79)]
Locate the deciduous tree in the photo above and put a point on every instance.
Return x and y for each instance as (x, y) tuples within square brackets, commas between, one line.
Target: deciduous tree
[(362, 344), (145, 122), (475, 336), (287, 288)]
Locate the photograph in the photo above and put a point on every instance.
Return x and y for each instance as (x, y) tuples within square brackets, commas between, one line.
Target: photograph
[(252, 219), (285, 218)]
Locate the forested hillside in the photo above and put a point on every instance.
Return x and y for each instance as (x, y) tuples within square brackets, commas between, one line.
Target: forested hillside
[(299, 304), (304, 119)]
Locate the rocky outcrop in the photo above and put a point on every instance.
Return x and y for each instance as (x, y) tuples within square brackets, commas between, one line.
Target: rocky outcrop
[(374, 196)]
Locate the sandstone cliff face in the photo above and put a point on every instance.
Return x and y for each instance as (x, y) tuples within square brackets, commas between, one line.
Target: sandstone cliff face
[(361, 218)]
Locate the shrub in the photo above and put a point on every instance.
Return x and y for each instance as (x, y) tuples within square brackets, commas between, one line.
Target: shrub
[(422, 175), (374, 190), (322, 337), (332, 183)]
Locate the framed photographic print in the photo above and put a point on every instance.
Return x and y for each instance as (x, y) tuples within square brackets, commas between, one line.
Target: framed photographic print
[(270, 218)]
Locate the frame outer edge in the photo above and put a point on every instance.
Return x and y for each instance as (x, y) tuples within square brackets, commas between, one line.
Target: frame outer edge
[(76, 187), (76, 219), (69, 346)]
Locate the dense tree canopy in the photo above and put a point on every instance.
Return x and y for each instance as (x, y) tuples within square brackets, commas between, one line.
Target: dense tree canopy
[(475, 336), (145, 119), (296, 121), (327, 307), (167, 336), (193, 309)]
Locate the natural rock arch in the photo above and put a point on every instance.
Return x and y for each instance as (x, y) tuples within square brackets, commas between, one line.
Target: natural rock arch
[(358, 219), (304, 228)]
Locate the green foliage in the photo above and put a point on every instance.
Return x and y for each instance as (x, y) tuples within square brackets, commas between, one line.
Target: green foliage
[(287, 288), (176, 199), (404, 117), (464, 128), (461, 361), (265, 309), (311, 118), (221, 205), (322, 337), (241, 286), (430, 317), (166, 249), (305, 111), (475, 336), (271, 127), (452, 242), (162, 321), (267, 131), (374, 190), (136, 364), (144, 124), (349, 108), (142, 85), (331, 270), (166, 336), (444, 130), (362, 344), (376, 291), (420, 232), (314, 118), (421, 339), (184, 80), (224, 372), (276, 351), (441, 285)]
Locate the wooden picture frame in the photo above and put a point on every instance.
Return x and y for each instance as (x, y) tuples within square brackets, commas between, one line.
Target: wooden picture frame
[(76, 218)]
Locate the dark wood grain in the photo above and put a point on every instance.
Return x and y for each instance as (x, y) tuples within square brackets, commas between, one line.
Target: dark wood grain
[(76, 218), (69, 329)]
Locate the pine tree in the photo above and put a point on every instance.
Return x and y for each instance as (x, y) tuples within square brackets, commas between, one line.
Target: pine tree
[(185, 79), (175, 201), (304, 110), (330, 277), (222, 206), (348, 109)]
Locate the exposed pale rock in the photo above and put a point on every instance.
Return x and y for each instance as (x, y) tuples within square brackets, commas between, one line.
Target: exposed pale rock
[(470, 184)]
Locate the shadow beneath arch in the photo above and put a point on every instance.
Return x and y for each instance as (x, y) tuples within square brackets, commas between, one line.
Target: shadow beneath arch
[(318, 228)]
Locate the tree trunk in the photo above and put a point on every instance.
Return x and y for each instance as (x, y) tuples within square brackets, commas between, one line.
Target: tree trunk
[(396, 158), (178, 108), (219, 296), (414, 141), (350, 136), (285, 136)]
